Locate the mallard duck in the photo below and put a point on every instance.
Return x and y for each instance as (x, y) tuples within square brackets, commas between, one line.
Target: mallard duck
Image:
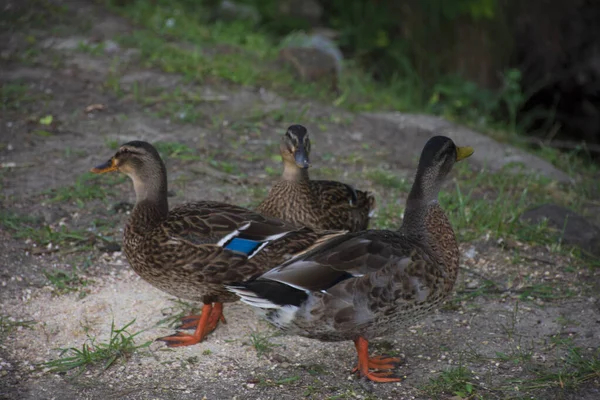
[(192, 250), (316, 204), (364, 285)]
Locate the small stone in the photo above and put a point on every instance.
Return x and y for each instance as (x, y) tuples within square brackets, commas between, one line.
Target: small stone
[(314, 58), (111, 47)]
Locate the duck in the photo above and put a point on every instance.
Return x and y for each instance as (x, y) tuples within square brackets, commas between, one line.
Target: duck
[(317, 204), (192, 250), (363, 285)]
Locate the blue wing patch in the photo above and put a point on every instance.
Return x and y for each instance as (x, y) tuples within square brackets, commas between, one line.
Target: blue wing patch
[(244, 246)]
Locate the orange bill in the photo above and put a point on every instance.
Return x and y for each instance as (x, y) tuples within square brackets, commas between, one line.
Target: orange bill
[(110, 165)]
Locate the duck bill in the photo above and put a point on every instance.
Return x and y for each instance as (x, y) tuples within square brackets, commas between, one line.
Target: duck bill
[(108, 166), (301, 157), (463, 152)]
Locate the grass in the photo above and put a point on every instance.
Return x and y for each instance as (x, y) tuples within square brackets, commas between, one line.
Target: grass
[(87, 187), (387, 179), (176, 150), (573, 369), (9, 324), (457, 381), (27, 227), (260, 341), (120, 345), (240, 53), (14, 95), (65, 282), (179, 310)]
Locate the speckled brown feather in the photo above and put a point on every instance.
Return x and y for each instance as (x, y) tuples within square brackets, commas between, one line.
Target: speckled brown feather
[(404, 277), (369, 284), (179, 255), (318, 204)]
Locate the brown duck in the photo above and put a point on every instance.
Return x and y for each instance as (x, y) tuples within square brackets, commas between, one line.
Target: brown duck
[(317, 204), (360, 286), (192, 250)]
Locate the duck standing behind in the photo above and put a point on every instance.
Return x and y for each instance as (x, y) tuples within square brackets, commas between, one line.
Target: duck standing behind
[(364, 285), (317, 204)]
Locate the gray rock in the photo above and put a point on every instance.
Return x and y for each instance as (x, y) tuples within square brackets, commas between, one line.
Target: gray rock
[(314, 58), (572, 228), (68, 43), (317, 41), (413, 130)]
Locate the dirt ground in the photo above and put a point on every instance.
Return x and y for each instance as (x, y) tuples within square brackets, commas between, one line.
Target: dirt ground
[(505, 337)]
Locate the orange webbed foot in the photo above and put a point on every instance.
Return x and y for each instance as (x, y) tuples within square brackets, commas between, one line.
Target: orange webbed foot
[(180, 339), (203, 325), (383, 377), (189, 322), (381, 363)]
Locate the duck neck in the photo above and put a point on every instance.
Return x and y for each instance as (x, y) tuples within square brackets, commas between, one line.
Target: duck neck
[(422, 197), (291, 172), (152, 206)]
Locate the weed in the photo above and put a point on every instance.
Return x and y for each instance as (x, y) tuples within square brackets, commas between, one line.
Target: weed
[(27, 227), (95, 49), (176, 150), (390, 215), (574, 369), (87, 187), (14, 95), (387, 179), (9, 324), (261, 342), (545, 291), (65, 282), (179, 310), (225, 166), (121, 344), (456, 381)]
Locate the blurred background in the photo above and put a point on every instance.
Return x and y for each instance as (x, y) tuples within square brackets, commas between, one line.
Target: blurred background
[(524, 67)]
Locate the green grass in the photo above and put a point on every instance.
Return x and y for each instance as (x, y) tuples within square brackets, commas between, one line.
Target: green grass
[(485, 203), (9, 324), (179, 310), (65, 282), (19, 95), (121, 345), (260, 341), (387, 179), (457, 381), (176, 150), (87, 187), (27, 227), (241, 53), (573, 369)]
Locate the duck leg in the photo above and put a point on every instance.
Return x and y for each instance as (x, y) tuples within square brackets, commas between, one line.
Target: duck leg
[(203, 325), (216, 315), (385, 364)]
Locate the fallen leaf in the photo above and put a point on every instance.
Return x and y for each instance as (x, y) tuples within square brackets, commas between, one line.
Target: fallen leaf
[(47, 120), (94, 107)]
